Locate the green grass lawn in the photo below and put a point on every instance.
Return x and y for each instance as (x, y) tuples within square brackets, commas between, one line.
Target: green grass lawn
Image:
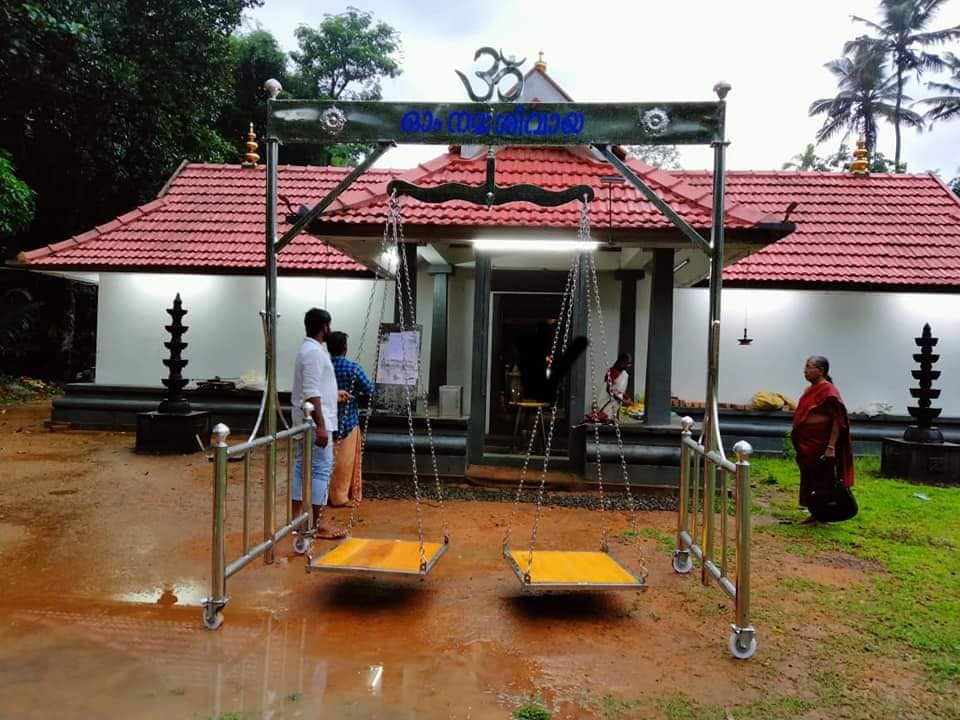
[(905, 613), (913, 602)]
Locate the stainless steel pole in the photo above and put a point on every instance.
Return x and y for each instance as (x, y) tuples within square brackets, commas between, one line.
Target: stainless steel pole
[(246, 500), (743, 451), (686, 424), (218, 578), (710, 432), (306, 474), (270, 297), (213, 605)]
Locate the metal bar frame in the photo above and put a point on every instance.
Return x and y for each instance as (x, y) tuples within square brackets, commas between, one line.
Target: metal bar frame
[(324, 122), (654, 199), (743, 640), (304, 222), (220, 570)]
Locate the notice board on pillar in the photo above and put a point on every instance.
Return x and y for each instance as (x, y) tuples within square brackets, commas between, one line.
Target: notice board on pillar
[(398, 368)]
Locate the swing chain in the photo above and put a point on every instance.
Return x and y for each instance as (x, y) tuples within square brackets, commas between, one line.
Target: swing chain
[(393, 222), (538, 420), (380, 279), (567, 322), (426, 405), (584, 236), (631, 505)]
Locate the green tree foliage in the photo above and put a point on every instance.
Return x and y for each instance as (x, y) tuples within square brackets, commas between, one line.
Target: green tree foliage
[(807, 160), (901, 37), (666, 157), (101, 99), (840, 161), (945, 106), (866, 94), (16, 199), (955, 185), (257, 57), (346, 57)]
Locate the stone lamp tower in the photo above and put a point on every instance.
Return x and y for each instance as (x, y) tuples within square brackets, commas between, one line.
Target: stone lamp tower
[(174, 428), (922, 454)]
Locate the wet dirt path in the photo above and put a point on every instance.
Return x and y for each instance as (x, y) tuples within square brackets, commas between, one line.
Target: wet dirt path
[(104, 558)]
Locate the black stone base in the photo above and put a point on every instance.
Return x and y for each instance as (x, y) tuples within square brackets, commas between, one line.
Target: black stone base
[(934, 463), (923, 435), (165, 434)]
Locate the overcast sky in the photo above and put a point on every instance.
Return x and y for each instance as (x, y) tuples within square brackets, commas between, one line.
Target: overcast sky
[(771, 51)]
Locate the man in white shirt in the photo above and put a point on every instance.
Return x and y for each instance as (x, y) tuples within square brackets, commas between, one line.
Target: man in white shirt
[(314, 380)]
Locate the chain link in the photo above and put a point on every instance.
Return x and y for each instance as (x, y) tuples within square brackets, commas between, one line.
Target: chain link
[(631, 505), (567, 324), (583, 235), (538, 420), (426, 404), (393, 222), (381, 281)]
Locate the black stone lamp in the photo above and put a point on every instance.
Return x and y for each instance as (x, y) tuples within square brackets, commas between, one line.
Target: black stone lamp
[(174, 403), (925, 394), (174, 428)]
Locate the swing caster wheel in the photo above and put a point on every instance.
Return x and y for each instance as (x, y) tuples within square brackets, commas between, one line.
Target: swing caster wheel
[(682, 562), (739, 652), (212, 621), (301, 545)]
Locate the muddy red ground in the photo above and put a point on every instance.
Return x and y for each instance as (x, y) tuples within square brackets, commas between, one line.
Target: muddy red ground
[(105, 555)]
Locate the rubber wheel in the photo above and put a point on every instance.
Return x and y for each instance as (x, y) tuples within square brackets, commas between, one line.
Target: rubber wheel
[(301, 545), (212, 622), (680, 566), (739, 652)]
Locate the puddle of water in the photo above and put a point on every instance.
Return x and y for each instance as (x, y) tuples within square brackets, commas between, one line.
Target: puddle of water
[(127, 661), (187, 593)]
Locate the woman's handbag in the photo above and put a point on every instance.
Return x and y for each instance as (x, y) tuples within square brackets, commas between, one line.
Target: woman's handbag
[(831, 500)]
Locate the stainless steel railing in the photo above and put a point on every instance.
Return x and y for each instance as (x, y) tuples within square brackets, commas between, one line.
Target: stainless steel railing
[(220, 569), (704, 475)]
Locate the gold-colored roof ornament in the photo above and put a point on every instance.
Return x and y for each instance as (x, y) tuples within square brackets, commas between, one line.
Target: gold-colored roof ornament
[(540, 64), (250, 159), (861, 163)]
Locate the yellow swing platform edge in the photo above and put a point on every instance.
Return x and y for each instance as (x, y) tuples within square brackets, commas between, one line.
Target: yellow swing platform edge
[(572, 570), (374, 556)]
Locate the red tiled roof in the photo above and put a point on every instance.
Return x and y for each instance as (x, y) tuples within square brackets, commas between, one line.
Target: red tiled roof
[(550, 168), (209, 219), (878, 229)]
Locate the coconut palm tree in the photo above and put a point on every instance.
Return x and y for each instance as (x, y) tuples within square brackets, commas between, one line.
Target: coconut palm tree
[(947, 105), (867, 94), (807, 160), (902, 35)]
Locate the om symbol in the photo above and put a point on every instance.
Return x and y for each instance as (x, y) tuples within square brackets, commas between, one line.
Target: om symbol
[(494, 74)]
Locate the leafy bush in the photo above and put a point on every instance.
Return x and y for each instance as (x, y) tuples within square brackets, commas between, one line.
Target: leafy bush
[(789, 453), (532, 712)]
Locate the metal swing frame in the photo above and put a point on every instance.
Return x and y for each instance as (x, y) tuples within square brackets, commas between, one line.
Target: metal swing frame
[(596, 125)]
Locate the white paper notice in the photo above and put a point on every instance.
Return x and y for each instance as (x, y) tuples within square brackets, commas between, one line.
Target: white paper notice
[(398, 364)]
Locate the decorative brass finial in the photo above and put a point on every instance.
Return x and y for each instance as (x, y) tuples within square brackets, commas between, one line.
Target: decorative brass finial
[(860, 164), (540, 64), (250, 159)]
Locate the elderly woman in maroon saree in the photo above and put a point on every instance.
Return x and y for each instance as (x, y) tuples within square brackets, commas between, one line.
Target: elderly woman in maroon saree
[(821, 429)]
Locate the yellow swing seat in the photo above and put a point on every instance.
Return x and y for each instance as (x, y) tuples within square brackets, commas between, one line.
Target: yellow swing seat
[(571, 570), (368, 556)]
